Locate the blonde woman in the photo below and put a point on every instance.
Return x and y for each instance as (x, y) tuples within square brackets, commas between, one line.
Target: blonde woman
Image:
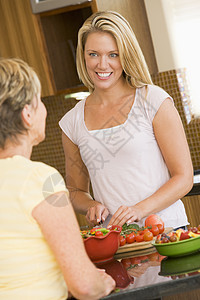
[(42, 255), (126, 136)]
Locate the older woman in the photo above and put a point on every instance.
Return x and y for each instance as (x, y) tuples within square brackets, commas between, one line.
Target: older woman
[(42, 255)]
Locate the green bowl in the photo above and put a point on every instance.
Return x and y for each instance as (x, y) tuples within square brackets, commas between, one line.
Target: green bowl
[(180, 248), (180, 265)]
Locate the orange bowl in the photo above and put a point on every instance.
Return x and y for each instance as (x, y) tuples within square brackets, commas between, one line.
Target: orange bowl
[(103, 248)]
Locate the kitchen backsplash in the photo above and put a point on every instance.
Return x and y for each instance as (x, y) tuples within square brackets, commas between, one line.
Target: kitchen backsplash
[(175, 83)]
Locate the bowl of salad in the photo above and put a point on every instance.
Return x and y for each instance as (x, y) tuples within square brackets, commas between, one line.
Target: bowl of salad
[(178, 243), (101, 243)]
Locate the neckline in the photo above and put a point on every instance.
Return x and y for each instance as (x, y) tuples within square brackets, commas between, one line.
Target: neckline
[(109, 128), (15, 156)]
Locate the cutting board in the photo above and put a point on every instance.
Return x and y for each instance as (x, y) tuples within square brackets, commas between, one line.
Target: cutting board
[(139, 246), (135, 253)]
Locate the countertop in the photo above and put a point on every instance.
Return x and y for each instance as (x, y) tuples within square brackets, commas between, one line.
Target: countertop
[(152, 276), (196, 185)]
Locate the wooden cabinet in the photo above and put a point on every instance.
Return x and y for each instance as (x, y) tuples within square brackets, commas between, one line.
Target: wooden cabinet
[(47, 41), (58, 33)]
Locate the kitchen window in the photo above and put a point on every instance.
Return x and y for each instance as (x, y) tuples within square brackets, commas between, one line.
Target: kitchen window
[(175, 28)]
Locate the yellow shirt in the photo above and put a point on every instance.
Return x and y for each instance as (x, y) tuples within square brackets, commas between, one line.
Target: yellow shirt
[(28, 269)]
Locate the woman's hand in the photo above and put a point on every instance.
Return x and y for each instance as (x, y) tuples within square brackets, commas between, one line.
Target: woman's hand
[(97, 213), (125, 214)]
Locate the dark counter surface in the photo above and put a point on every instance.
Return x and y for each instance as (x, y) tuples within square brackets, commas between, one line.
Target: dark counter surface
[(151, 276), (196, 185)]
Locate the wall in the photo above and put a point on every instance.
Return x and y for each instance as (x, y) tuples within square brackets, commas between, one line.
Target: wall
[(158, 14)]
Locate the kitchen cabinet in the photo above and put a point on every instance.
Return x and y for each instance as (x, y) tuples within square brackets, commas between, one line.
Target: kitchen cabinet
[(58, 33)]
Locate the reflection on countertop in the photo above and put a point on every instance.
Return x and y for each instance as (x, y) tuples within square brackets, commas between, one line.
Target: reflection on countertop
[(153, 276)]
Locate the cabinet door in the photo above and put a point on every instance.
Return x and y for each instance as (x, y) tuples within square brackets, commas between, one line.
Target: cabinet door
[(46, 41), (20, 37), (59, 32)]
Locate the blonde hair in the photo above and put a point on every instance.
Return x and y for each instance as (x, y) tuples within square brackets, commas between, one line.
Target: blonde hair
[(132, 59), (18, 85)]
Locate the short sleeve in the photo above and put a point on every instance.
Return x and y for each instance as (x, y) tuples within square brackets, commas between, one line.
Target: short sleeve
[(41, 182), (71, 120), (155, 96)]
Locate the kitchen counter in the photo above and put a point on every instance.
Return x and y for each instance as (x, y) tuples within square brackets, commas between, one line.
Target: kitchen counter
[(196, 185), (152, 276)]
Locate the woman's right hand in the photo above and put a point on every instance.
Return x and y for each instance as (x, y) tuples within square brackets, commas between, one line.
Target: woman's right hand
[(109, 282), (97, 213)]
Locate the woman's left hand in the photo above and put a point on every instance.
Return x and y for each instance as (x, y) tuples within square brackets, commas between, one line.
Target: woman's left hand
[(125, 214)]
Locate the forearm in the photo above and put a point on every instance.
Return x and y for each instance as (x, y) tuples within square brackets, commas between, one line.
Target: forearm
[(81, 200), (166, 195), (61, 231)]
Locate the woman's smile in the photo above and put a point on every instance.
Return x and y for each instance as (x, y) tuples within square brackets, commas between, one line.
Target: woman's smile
[(104, 75)]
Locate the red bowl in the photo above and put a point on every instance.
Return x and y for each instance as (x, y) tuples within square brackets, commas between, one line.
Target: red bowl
[(103, 248)]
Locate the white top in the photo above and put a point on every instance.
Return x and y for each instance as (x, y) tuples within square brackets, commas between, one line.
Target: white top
[(124, 162)]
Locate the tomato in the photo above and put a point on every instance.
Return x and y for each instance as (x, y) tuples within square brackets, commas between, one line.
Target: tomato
[(122, 240), (160, 227), (143, 231), (153, 220), (155, 230), (173, 238), (98, 233), (130, 238), (194, 229), (184, 236), (158, 239), (148, 236), (165, 240), (139, 238)]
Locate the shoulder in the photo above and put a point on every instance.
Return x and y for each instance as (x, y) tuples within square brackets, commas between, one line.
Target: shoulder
[(38, 170), (72, 122), (157, 92), (46, 177), (151, 98), (75, 111), (153, 95)]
